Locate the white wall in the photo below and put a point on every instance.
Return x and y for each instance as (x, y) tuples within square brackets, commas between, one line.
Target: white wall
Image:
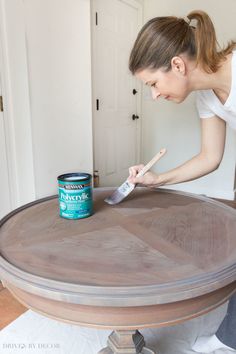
[(59, 64), (15, 90), (177, 127), (47, 90), (47, 85)]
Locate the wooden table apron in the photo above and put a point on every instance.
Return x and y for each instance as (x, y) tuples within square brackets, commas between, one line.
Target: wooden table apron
[(158, 258)]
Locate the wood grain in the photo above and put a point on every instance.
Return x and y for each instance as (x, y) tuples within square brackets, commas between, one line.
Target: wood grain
[(124, 318), (157, 259), (155, 247)]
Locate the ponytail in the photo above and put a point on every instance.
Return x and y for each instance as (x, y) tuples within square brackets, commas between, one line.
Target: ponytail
[(208, 53), (162, 38)]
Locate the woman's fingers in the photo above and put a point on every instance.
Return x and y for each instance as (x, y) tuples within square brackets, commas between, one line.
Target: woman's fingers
[(134, 170), (149, 179)]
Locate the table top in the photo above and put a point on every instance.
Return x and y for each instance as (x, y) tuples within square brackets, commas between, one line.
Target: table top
[(157, 246)]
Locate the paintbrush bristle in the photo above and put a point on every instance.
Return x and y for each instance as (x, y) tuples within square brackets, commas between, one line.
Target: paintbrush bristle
[(115, 198), (119, 194)]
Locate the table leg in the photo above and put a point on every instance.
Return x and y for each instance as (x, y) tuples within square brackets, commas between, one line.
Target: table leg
[(126, 342)]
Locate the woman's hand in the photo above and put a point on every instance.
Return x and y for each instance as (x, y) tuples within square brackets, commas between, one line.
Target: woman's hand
[(150, 179), (208, 159)]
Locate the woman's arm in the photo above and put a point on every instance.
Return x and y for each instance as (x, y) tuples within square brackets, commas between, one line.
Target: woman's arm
[(212, 149)]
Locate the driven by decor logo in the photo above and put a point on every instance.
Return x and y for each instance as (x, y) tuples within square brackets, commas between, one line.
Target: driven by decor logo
[(22, 346)]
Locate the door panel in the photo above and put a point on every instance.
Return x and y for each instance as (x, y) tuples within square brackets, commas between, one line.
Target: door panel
[(116, 134)]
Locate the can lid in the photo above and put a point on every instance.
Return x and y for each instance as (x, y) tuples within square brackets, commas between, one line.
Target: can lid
[(75, 176)]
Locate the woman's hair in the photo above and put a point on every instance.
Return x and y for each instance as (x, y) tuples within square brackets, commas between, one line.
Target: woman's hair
[(162, 38)]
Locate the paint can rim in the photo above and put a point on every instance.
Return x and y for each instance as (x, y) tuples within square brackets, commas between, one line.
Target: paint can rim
[(68, 177)]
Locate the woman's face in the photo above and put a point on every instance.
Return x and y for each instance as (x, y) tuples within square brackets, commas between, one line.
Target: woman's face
[(171, 85)]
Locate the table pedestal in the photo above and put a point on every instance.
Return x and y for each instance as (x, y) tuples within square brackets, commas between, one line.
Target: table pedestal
[(126, 342)]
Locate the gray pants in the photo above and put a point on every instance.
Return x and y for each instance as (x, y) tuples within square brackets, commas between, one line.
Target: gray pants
[(226, 333)]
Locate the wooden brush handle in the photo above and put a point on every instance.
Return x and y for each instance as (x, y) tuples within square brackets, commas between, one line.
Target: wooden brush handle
[(152, 162)]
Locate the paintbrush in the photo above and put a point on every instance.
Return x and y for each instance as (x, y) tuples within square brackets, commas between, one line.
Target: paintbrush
[(127, 187)]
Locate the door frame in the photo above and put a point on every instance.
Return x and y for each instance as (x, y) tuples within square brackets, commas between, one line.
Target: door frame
[(137, 4), (16, 99)]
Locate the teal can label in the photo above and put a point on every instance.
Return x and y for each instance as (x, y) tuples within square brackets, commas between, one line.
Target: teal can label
[(75, 195)]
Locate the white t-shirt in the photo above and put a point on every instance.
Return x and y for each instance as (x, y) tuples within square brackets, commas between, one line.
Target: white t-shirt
[(209, 105)]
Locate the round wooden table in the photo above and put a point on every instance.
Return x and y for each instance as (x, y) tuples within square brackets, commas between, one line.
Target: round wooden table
[(158, 258)]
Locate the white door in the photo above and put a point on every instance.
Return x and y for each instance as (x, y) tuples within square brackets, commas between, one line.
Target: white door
[(5, 206), (116, 108)]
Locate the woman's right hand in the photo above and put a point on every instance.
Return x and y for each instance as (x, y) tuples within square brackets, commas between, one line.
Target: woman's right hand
[(150, 179), (134, 170)]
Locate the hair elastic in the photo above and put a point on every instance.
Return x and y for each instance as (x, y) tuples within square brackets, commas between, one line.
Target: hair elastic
[(191, 22), (186, 19)]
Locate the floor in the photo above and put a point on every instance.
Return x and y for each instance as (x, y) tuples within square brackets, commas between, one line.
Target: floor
[(24, 331), (10, 308)]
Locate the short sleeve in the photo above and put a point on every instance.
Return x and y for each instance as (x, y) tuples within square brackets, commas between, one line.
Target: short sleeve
[(204, 110)]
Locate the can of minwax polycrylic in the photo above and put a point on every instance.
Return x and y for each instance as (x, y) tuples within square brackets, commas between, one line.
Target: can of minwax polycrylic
[(75, 195)]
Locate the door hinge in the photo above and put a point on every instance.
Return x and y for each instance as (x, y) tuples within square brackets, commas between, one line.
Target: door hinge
[(1, 104), (97, 104), (95, 179), (96, 18)]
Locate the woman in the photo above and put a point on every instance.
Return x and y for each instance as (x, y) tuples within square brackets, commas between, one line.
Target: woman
[(175, 57)]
